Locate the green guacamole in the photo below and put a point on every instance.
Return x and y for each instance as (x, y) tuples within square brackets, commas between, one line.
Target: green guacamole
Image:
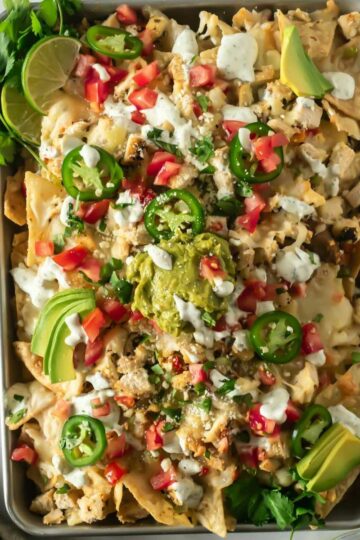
[(154, 287)]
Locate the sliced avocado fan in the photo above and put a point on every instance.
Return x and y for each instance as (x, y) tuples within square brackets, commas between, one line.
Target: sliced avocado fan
[(297, 70)]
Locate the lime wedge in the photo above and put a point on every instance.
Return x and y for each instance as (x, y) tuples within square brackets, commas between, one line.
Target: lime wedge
[(18, 114), (46, 69)]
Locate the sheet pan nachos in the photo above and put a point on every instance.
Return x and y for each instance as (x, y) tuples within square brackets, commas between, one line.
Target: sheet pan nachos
[(186, 275)]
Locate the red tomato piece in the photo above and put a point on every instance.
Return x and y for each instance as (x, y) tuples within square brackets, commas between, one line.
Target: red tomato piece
[(247, 301), (164, 479), (83, 65), (298, 290), (63, 409), (177, 363), (204, 471), (148, 42), (95, 90), (147, 74), (249, 457), (197, 110), (259, 424), (116, 75), (91, 267), (93, 323), (44, 249), (198, 373), (103, 59), (71, 258), (138, 118), (114, 309), (210, 268), (113, 473), (126, 15), (153, 437), (203, 75), (279, 139), (127, 401), (254, 202), (231, 128), (93, 212), (292, 412), (158, 160), (100, 409), (266, 377), (143, 98), (311, 340), (223, 445), (270, 163), (262, 147), (221, 324), (116, 447), (94, 351), (24, 453), (253, 207), (135, 317), (167, 171)]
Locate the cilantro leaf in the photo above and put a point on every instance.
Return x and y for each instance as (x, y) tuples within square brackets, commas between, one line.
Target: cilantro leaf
[(48, 12), (154, 135), (280, 507), (205, 404), (73, 223), (208, 319), (114, 44), (229, 206), (16, 417), (35, 24), (228, 386), (203, 149), (203, 101), (89, 175), (7, 148), (239, 493), (70, 7), (123, 288), (242, 188), (7, 57)]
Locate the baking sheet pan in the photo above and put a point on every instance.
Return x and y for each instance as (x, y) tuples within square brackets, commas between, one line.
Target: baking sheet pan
[(17, 490)]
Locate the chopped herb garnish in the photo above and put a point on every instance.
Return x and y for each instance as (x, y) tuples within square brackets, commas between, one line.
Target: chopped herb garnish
[(226, 387), (168, 426), (173, 413), (355, 357), (203, 149), (246, 399), (205, 404), (122, 288), (59, 243), (210, 169), (73, 223), (17, 397), (207, 454), (344, 271), (208, 365), (16, 417), (280, 290), (157, 369), (155, 136), (229, 206), (63, 489), (208, 319), (199, 388), (203, 101), (243, 188), (319, 317), (102, 225)]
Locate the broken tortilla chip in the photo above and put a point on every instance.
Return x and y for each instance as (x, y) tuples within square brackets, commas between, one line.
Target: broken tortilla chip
[(211, 511), (14, 199)]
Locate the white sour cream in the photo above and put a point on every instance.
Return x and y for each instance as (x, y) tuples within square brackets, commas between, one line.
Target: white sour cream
[(244, 138), (190, 313), (264, 307), (77, 333), (274, 405), (189, 466), (82, 405), (159, 257), (297, 265), (186, 493), (101, 71), (70, 142), (65, 209), (237, 55), (186, 45), (98, 381), (296, 207), (240, 114), (77, 478), (318, 358), (90, 155), (341, 414), (223, 288), (132, 211), (241, 342), (343, 83)]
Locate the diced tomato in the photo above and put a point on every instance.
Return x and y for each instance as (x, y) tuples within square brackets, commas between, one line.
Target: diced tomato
[(167, 171), (259, 424), (23, 189), (127, 401), (204, 471), (164, 479), (93, 212), (94, 351), (292, 412), (298, 290), (279, 139), (93, 323), (143, 98), (24, 453), (148, 42), (198, 373), (177, 363), (266, 377), (126, 15), (197, 110), (223, 445), (247, 301), (210, 268), (311, 339), (250, 319), (153, 437), (270, 163), (147, 74), (249, 457), (62, 410), (135, 317), (91, 267), (44, 249), (96, 90), (113, 472), (114, 309), (116, 446), (155, 326), (203, 75), (262, 147), (116, 75), (253, 207), (324, 379), (221, 324), (231, 127), (103, 59), (71, 258), (83, 65), (138, 118), (138, 187), (158, 160), (100, 409)]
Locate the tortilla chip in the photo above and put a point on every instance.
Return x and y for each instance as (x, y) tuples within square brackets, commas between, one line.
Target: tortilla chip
[(35, 365), (153, 502), (346, 391), (211, 511), (127, 508), (43, 205), (14, 200), (19, 248), (342, 122), (40, 399), (334, 496)]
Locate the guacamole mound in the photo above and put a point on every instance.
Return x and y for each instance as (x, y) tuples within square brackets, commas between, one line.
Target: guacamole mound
[(154, 287)]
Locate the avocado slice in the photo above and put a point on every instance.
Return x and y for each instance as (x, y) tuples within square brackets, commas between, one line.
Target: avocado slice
[(312, 462), (342, 459), (59, 356), (297, 70), (49, 316)]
